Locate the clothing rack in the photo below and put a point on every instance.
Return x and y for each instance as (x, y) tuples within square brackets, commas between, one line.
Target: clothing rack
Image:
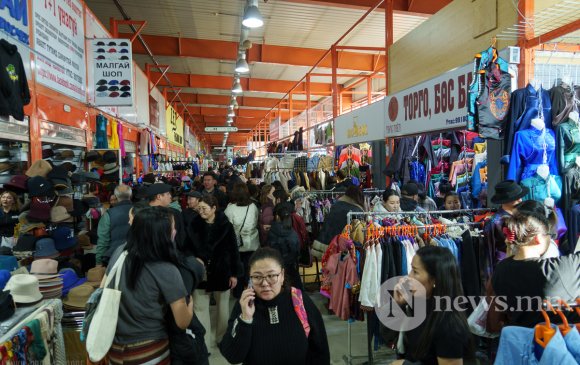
[(22, 316), (350, 357)]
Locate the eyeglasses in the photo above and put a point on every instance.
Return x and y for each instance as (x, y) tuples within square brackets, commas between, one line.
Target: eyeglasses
[(270, 279)]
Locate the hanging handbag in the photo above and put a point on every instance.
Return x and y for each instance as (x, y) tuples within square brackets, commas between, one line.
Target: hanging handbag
[(240, 239), (103, 324)]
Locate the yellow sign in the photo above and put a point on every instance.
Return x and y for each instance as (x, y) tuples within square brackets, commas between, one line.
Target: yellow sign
[(174, 126), (357, 130)]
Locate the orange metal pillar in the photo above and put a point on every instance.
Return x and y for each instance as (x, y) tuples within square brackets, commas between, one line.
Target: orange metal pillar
[(369, 90), (334, 85), (388, 40), (526, 66), (291, 105), (308, 106)]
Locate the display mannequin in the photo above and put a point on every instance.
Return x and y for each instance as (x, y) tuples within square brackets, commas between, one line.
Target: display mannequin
[(532, 148)]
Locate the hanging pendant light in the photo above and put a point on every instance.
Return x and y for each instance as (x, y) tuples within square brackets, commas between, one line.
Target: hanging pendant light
[(237, 88), (252, 16), (241, 64)]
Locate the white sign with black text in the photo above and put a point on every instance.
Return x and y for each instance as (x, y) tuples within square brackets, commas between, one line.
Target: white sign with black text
[(361, 125), (113, 72)]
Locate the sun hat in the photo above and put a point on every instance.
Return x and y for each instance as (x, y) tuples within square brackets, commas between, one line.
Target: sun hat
[(8, 262), (508, 191), (44, 268), (39, 168), (45, 249), (59, 214), (78, 296), (24, 288), (95, 276)]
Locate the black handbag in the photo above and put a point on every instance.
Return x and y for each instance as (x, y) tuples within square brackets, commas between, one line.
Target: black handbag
[(240, 240), (7, 306), (189, 346)]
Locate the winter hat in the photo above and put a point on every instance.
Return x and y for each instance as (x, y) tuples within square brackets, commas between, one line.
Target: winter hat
[(39, 186)]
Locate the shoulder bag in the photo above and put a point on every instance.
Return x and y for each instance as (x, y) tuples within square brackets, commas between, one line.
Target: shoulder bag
[(240, 240), (103, 325)]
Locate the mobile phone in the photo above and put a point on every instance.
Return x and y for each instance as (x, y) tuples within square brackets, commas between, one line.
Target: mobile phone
[(250, 286)]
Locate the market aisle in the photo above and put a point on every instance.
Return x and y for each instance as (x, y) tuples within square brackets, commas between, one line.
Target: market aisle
[(336, 330)]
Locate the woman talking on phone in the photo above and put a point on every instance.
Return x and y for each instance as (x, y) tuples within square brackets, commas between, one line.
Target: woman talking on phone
[(443, 338), (273, 323)]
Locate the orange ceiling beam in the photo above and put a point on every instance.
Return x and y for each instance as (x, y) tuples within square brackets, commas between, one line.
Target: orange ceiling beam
[(264, 53), (225, 83), (413, 6), (556, 33), (243, 101)]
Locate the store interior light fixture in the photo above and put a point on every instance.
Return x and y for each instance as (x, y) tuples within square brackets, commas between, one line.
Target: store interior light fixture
[(231, 112), (237, 88), (252, 16), (241, 64), (234, 102)]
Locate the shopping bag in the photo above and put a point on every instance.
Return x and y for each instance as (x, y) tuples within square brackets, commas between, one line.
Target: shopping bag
[(103, 325), (477, 320)]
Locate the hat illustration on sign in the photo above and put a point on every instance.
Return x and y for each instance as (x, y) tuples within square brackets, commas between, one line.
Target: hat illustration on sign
[(102, 88), (45, 249), (102, 95), (112, 44), (124, 50), (44, 269), (125, 82), (4, 153), (77, 297), (123, 44), (125, 88), (39, 168), (114, 94), (100, 50), (24, 288), (100, 57), (112, 50), (100, 43), (102, 82), (92, 156), (113, 82), (124, 58), (113, 88), (126, 94)]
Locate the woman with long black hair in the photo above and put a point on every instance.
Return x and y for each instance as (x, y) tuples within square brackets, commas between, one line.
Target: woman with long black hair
[(443, 338), (152, 285)]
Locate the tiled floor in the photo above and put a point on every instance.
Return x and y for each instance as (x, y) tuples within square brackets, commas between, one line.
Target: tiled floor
[(337, 338)]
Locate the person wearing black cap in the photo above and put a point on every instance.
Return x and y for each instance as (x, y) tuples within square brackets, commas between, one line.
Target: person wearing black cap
[(159, 195), (508, 194), (410, 198)]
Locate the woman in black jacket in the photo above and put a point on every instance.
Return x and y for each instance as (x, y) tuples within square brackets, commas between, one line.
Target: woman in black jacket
[(335, 220), (283, 238), (213, 240)]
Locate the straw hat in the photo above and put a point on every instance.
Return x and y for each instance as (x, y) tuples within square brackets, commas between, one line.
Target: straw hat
[(95, 276), (77, 297)]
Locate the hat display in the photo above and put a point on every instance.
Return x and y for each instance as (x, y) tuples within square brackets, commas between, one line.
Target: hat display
[(85, 241), (44, 268), (84, 177), (59, 214), (95, 276), (59, 175), (9, 263), (78, 296), (156, 189), (92, 156), (66, 191), (5, 251), (65, 201), (39, 211), (70, 280), (4, 277), (45, 249), (64, 155), (110, 168), (47, 151), (24, 288), (110, 157), (39, 168), (25, 243), (39, 186), (17, 183), (194, 194), (508, 191), (69, 166), (79, 208), (64, 238)]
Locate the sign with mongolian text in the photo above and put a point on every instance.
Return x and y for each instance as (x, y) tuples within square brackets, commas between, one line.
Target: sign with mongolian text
[(221, 129), (174, 124), (434, 105), (113, 72)]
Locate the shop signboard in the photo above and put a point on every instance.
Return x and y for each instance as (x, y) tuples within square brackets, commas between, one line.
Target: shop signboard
[(361, 125), (59, 41), (14, 23), (434, 105), (113, 71), (275, 129), (174, 126)]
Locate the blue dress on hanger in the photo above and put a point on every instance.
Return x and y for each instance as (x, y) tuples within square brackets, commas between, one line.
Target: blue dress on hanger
[(528, 153)]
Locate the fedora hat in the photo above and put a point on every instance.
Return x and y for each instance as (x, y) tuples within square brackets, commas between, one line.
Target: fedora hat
[(77, 297), (24, 288), (45, 248), (65, 201), (70, 280), (508, 191), (95, 276), (59, 214), (39, 168), (59, 175), (17, 183), (39, 186), (9, 263), (109, 157), (44, 268), (63, 191), (25, 243)]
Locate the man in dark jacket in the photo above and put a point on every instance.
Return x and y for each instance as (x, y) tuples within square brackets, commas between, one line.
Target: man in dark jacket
[(114, 225), (410, 198), (160, 195), (190, 213), (210, 187)]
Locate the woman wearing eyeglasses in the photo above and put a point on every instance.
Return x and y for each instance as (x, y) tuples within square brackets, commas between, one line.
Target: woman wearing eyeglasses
[(212, 239), (274, 323)]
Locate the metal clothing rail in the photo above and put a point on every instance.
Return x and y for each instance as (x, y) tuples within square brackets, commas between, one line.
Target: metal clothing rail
[(349, 215)]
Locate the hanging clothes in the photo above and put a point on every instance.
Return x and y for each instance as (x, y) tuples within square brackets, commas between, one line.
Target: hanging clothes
[(121, 140), (528, 153), (101, 132), (114, 143)]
